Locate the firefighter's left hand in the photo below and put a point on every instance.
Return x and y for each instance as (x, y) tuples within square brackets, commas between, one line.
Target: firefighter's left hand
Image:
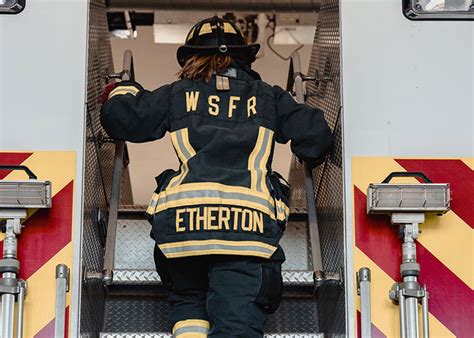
[(105, 94)]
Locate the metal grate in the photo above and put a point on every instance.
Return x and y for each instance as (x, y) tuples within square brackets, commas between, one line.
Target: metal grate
[(99, 159), (167, 335), (98, 170), (328, 178), (150, 314)]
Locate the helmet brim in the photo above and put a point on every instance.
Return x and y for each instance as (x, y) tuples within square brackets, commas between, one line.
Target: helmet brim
[(250, 51)]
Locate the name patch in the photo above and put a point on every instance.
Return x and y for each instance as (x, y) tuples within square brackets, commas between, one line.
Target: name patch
[(219, 219)]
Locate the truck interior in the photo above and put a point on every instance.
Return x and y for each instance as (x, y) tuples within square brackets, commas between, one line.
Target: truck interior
[(138, 40)]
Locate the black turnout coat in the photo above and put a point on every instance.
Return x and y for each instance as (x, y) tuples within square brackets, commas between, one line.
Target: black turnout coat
[(225, 198)]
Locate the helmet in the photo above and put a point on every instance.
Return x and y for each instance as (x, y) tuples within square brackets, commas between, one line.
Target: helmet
[(215, 35)]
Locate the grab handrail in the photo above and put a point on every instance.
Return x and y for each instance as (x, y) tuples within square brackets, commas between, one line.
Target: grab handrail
[(296, 79), (128, 73)]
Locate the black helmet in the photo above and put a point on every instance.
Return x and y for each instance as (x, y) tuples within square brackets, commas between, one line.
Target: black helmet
[(216, 35)]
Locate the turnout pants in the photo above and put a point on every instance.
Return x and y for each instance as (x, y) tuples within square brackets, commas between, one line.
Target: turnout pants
[(221, 296)]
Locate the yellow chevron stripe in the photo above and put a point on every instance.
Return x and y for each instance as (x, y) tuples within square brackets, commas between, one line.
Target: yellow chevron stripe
[(447, 237), (469, 162), (385, 315), (451, 240), (59, 167), (40, 299)]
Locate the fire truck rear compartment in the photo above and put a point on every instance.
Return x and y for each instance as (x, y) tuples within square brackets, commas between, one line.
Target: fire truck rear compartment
[(133, 302)]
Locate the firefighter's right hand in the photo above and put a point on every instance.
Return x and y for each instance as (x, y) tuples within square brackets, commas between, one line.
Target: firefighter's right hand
[(105, 94)]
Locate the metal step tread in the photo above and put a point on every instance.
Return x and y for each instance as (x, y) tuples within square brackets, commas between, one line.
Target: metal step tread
[(151, 277), (167, 335)]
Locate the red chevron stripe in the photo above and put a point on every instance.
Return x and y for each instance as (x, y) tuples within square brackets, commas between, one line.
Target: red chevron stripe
[(45, 233), (48, 330), (376, 333), (11, 159), (451, 300), (454, 172)]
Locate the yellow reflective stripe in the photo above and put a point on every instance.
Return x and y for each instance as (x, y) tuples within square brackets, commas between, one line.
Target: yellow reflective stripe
[(282, 210), (216, 241), (215, 193), (253, 155), (190, 34), (214, 186), (205, 29), (218, 252), (122, 90), (258, 158), (193, 328), (214, 201), (174, 140), (153, 203), (264, 160), (187, 145), (185, 151), (191, 322), (215, 246), (176, 181), (228, 28)]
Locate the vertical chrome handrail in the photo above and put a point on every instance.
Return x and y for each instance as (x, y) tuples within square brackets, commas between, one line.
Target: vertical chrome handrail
[(62, 287), (109, 256), (363, 290), (295, 78)]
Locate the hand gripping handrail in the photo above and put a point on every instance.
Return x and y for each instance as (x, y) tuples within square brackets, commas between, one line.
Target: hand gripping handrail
[(127, 73)]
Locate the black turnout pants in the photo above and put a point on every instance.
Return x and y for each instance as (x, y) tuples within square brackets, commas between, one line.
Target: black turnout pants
[(221, 296)]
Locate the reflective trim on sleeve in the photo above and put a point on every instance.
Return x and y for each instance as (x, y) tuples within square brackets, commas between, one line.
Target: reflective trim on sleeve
[(217, 247), (152, 205), (122, 90), (192, 328), (282, 210)]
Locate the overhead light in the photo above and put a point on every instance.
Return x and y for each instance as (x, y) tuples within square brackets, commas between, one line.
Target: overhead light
[(439, 9), (294, 35), (11, 6), (294, 28)]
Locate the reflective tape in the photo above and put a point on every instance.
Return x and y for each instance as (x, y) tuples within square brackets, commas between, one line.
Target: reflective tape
[(282, 210), (257, 163), (122, 90), (216, 247), (217, 196), (185, 151), (195, 328)]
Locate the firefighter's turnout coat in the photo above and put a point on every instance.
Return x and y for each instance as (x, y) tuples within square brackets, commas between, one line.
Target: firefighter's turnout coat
[(224, 199)]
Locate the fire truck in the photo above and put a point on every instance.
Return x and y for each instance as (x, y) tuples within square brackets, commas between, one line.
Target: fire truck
[(380, 237)]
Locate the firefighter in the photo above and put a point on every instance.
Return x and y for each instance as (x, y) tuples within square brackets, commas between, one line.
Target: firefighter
[(218, 220)]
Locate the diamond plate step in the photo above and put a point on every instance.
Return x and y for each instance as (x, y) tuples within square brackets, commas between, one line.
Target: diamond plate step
[(167, 335), (150, 277), (134, 247)]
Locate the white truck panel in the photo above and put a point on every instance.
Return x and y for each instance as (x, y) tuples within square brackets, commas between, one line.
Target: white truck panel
[(407, 91), (42, 91)]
